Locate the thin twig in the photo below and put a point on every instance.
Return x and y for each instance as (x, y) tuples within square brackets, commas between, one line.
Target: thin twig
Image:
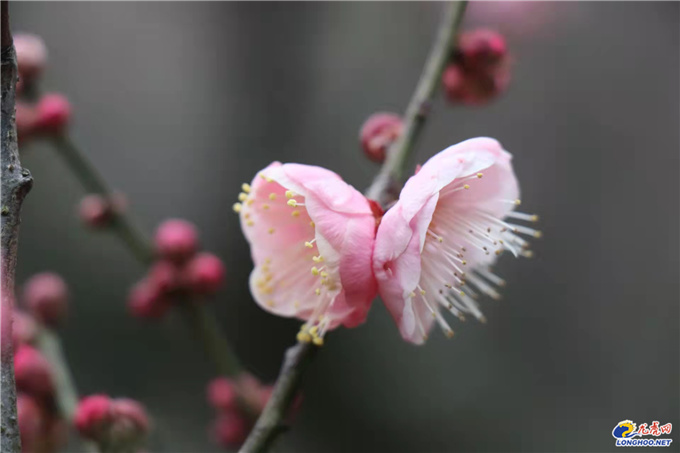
[(66, 395), (384, 189), (16, 182), (199, 319), (386, 185)]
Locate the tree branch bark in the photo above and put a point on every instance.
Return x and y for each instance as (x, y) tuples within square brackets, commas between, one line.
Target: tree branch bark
[(16, 182), (384, 189)]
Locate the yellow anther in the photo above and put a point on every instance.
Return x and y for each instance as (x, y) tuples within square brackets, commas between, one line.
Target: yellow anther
[(317, 259), (246, 215), (242, 196), (422, 292), (464, 262), (292, 203), (268, 290), (449, 333), (262, 176), (440, 239), (270, 303), (268, 278), (272, 196), (412, 294), (295, 213), (518, 202), (466, 186), (265, 206), (434, 315), (479, 175), (250, 201), (534, 218), (271, 230), (462, 293), (245, 187), (237, 207), (528, 254), (317, 291), (268, 261), (312, 224), (314, 331), (315, 271), (304, 337), (290, 194), (296, 304), (309, 245), (538, 234), (250, 223), (260, 283), (324, 274), (318, 341)]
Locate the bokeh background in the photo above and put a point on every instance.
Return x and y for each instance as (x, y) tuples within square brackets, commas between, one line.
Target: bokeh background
[(179, 103)]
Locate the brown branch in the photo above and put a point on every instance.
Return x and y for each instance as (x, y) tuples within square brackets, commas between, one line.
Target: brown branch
[(16, 182), (385, 188)]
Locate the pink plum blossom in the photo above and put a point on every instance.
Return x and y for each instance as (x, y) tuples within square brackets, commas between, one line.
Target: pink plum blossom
[(434, 246), (311, 237)]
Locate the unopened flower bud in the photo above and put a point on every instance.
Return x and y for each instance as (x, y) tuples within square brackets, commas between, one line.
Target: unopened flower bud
[(32, 372), (146, 301), (46, 297), (54, 114), (231, 429), (222, 394), (31, 55), (165, 276), (474, 87), (130, 423), (93, 416), (205, 273), (176, 240), (378, 132), (31, 421), (482, 49)]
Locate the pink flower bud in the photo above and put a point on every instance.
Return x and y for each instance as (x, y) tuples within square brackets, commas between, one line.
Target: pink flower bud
[(146, 301), (46, 296), (482, 49), (378, 132), (93, 416), (176, 239), (31, 55), (24, 329), (96, 211), (165, 276), (474, 87), (31, 421), (54, 114), (222, 394), (205, 273), (32, 372), (130, 423), (231, 429)]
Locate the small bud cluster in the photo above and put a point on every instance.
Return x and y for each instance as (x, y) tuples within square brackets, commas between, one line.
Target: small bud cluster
[(45, 298), (114, 424), (98, 211), (180, 270), (37, 115), (479, 70), (378, 132), (238, 402)]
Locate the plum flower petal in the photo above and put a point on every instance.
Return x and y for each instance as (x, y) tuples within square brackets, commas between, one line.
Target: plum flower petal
[(311, 237), (435, 245)]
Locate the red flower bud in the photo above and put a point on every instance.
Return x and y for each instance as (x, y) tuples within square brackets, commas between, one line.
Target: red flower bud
[(54, 114), (93, 416), (205, 273), (231, 429), (32, 372), (222, 394), (31, 421), (378, 132), (176, 240), (46, 297), (165, 276), (146, 301)]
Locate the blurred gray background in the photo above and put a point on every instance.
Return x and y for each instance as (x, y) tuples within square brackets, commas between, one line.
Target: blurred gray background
[(178, 103)]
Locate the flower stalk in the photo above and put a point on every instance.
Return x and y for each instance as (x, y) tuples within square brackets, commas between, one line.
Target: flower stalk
[(384, 189)]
